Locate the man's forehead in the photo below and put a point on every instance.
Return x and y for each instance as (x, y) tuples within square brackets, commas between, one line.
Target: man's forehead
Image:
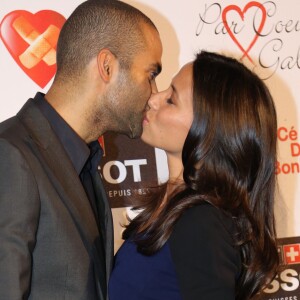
[(150, 59), (152, 39)]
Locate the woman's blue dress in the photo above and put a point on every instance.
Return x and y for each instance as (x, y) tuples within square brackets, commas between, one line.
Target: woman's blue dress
[(136, 276)]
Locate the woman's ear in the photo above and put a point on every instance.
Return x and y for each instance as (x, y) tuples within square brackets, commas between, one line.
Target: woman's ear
[(106, 61)]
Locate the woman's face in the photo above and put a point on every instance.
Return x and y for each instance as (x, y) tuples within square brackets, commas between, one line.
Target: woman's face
[(170, 115)]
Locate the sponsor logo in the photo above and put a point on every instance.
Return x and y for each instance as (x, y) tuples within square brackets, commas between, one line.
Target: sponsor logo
[(127, 168), (286, 285)]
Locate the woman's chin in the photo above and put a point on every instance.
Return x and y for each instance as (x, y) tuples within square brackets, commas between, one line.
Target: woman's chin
[(145, 138)]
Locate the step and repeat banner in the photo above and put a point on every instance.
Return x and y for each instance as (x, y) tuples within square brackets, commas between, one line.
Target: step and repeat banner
[(265, 35)]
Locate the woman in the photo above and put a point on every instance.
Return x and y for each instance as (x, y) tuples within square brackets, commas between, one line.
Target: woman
[(209, 232)]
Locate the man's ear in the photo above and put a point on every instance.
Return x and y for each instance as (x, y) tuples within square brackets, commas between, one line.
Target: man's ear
[(106, 61)]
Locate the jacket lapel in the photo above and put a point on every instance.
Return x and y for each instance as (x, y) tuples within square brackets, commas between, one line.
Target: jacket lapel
[(109, 233)]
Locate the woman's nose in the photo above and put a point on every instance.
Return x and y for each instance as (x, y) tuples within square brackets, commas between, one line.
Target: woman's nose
[(153, 102)]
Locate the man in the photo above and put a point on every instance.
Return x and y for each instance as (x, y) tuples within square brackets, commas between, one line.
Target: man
[(55, 227)]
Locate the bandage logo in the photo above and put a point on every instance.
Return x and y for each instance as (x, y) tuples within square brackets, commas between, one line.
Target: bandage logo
[(31, 40), (234, 27)]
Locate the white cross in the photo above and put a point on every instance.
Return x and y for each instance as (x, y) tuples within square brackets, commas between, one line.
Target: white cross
[(292, 254)]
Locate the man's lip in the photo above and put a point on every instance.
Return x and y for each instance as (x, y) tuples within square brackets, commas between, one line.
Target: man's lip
[(145, 119)]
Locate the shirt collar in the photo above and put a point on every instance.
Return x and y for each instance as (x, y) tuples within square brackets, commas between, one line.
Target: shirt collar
[(76, 148)]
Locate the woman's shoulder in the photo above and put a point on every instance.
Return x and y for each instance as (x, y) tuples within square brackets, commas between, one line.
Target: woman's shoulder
[(205, 255), (205, 219)]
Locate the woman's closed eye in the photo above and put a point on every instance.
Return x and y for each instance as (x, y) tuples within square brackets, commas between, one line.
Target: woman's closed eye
[(170, 101)]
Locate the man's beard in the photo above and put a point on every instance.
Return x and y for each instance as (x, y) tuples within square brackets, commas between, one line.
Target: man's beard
[(127, 120)]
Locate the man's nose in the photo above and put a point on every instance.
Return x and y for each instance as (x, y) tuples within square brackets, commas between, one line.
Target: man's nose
[(153, 102), (153, 87)]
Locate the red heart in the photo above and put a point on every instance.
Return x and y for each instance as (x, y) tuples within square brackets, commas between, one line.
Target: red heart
[(31, 40), (241, 13)]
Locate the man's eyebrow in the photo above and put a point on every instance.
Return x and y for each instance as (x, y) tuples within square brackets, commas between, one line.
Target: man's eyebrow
[(158, 68)]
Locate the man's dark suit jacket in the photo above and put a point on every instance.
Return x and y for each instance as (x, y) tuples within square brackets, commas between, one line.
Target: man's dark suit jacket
[(48, 234)]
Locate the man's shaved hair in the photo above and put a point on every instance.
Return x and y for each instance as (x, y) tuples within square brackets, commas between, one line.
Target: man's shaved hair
[(99, 24)]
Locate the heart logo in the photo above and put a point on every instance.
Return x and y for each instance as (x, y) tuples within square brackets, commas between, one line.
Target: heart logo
[(31, 40), (242, 14)]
